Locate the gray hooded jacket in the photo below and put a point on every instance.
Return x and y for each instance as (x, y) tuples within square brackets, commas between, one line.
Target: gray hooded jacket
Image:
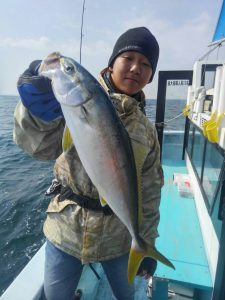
[(86, 234)]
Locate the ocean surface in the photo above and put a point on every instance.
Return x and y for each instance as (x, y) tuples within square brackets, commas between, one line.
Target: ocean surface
[(23, 182)]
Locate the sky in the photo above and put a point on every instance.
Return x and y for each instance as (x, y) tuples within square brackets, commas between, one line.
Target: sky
[(32, 29)]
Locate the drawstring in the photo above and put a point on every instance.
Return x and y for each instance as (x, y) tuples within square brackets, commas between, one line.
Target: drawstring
[(94, 271)]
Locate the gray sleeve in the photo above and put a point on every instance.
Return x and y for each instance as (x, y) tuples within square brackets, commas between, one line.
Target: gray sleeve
[(42, 140)]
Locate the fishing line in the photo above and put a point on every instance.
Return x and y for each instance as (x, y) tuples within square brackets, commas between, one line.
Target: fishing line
[(218, 46)]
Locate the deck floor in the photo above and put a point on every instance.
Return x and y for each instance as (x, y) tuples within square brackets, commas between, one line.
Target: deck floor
[(180, 234), (180, 240)]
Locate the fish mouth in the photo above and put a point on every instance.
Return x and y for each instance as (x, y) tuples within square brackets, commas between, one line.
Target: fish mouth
[(52, 58), (51, 62)]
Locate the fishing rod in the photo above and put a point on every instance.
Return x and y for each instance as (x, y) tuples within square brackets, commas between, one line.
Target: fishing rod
[(79, 292), (81, 29)]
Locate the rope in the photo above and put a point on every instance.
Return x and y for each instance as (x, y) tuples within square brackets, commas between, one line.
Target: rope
[(177, 116), (94, 271)]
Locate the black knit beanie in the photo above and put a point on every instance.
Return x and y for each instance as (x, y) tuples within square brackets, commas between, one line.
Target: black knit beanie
[(138, 39)]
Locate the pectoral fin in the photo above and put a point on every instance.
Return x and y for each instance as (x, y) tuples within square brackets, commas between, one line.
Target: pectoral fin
[(103, 201), (136, 257)]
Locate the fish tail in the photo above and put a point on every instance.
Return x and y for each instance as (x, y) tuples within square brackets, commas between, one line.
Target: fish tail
[(136, 257)]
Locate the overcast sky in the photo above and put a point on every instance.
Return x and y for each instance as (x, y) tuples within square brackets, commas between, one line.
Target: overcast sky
[(32, 29)]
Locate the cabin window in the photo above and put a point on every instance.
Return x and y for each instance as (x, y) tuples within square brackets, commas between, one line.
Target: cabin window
[(211, 173), (190, 139), (197, 151), (215, 213), (209, 79), (208, 162)]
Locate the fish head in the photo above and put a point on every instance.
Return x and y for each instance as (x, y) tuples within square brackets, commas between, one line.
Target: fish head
[(67, 79)]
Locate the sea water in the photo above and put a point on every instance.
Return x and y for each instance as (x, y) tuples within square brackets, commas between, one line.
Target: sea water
[(23, 182)]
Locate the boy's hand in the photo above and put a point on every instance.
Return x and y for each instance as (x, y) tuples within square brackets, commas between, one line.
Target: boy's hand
[(37, 95), (147, 267)]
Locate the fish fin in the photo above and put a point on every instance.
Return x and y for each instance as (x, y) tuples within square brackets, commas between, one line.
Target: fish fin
[(136, 257), (154, 253), (67, 139), (102, 201), (139, 155)]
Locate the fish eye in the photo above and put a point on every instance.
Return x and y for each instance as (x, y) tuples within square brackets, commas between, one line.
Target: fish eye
[(68, 68)]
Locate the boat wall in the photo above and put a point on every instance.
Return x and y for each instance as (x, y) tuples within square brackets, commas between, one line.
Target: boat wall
[(198, 68), (28, 285), (210, 239)]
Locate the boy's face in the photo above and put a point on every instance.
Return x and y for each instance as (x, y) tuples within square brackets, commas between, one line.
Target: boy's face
[(130, 72)]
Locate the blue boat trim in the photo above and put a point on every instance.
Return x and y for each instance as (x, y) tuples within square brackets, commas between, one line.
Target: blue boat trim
[(220, 28)]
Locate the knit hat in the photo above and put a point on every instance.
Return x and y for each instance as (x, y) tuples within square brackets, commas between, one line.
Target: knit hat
[(138, 39)]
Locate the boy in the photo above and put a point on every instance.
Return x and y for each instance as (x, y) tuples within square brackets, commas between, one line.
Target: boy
[(78, 233)]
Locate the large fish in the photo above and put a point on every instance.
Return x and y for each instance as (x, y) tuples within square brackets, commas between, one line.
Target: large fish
[(103, 146)]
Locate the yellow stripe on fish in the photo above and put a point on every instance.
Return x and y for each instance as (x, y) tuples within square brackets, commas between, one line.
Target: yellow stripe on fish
[(67, 139), (139, 156), (136, 256)]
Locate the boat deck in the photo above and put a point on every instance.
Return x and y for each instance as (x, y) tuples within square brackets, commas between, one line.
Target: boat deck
[(180, 240), (180, 234)]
